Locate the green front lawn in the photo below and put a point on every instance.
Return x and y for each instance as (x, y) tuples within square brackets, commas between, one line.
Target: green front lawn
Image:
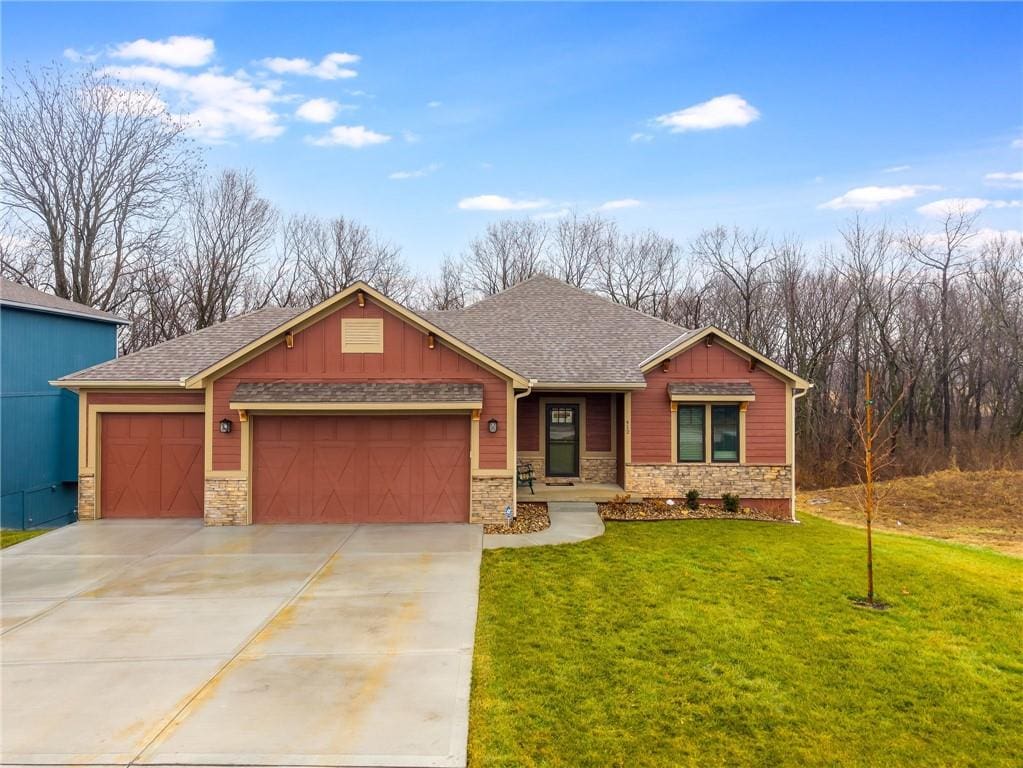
[(724, 643), (7, 538)]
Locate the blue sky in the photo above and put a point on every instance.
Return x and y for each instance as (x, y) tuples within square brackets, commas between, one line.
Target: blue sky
[(437, 118)]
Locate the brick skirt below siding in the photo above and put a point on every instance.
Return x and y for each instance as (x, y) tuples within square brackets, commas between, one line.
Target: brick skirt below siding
[(749, 481), (490, 495), (226, 501)]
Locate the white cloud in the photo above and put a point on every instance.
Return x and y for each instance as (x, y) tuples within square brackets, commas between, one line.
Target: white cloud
[(1012, 179), (639, 136), (498, 203), (333, 66), (869, 198), (987, 234), (617, 205), (560, 213), (416, 174), (1017, 143), (719, 112), (175, 51), (897, 169), (411, 137), (941, 208), (318, 110), (433, 104), (78, 57), (220, 106), (353, 136)]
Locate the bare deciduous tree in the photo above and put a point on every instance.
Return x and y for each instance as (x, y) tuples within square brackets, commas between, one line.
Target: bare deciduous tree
[(507, 253), (229, 227), (94, 171)]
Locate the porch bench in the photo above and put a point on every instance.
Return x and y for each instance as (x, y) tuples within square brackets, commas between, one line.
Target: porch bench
[(525, 476)]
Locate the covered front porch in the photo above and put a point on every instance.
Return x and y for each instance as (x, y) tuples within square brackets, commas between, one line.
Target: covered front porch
[(574, 444)]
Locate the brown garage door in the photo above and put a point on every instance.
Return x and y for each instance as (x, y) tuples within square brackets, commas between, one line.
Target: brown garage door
[(151, 465), (355, 469)]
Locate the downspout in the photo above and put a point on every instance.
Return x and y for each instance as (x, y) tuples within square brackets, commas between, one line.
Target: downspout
[(515, 470), (793, 491)]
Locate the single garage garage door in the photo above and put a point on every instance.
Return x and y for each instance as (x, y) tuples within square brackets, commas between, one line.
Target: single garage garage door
[(151, 465), (360, 469)]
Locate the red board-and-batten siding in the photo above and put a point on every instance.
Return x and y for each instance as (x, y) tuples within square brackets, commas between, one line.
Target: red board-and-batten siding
[(317, 356), (765, 416)]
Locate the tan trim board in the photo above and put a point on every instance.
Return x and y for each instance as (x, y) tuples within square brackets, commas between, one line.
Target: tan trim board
[(712, 398), (511, 432), (474, 444), (627, 427), (360, 407), (685, 343), (83, 430), (493, 473), (95, 425), (587, 386)]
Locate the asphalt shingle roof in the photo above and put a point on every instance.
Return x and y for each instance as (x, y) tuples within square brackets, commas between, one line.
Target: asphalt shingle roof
[(542, 329), (710, 388), (359, 392), (547, 330), (18, 295), (186, 355)]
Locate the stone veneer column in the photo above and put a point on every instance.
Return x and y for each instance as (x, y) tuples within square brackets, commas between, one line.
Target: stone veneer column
[(87, 497), (226, 501), (488, 498)]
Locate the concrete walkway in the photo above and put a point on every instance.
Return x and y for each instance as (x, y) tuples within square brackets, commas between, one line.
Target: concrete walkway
[(570, 522), (162, 642)]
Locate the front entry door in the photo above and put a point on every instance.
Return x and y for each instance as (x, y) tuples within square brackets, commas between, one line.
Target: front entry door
[(562, 440)]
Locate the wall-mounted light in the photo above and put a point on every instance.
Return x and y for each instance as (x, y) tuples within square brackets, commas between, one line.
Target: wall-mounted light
[(361, 297), (225, 425), (709, 340), (666, 365), (289, 340), (430, 341), (492, 425)]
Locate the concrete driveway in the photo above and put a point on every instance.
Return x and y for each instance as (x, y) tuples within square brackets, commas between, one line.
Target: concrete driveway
[(156, 642)]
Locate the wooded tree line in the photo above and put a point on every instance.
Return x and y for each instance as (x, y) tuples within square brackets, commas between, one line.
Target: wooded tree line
[(107, 202)]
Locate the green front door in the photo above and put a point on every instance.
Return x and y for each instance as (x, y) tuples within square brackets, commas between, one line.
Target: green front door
[(562, 440)]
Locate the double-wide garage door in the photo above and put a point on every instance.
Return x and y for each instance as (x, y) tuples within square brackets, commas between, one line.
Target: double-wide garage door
[(344, 469)]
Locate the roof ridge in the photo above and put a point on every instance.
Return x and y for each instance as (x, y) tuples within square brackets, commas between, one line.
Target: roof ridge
[(578, 289)]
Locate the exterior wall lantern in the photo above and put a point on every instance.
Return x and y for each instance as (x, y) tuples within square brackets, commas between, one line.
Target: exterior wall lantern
[(225, 425), (492, 425)]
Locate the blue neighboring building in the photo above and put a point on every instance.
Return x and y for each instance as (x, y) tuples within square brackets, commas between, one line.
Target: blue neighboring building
[(42, 338)]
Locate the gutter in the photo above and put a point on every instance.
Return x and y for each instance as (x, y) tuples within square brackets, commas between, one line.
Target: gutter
[(515, 470), (795, 397)]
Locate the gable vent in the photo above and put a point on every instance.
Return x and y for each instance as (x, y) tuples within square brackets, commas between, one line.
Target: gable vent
[(362, 335)]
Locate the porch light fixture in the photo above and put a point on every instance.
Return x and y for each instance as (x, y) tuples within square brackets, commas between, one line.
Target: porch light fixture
[(225, 425), (361, 297), (430, 341), (492, 425), (709, 341), (289, 340), (666, 366)]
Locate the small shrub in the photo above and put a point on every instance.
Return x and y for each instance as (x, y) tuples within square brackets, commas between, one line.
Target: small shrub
[(731, 503), (693, 499)]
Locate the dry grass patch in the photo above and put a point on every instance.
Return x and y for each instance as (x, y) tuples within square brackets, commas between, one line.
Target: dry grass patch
[(979, 508)]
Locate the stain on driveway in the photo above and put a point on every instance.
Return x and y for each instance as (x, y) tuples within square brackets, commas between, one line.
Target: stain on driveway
[(262, 645)]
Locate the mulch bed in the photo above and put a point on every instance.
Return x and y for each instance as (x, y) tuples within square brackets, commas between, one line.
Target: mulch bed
[(531, 516), (674, 509)]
